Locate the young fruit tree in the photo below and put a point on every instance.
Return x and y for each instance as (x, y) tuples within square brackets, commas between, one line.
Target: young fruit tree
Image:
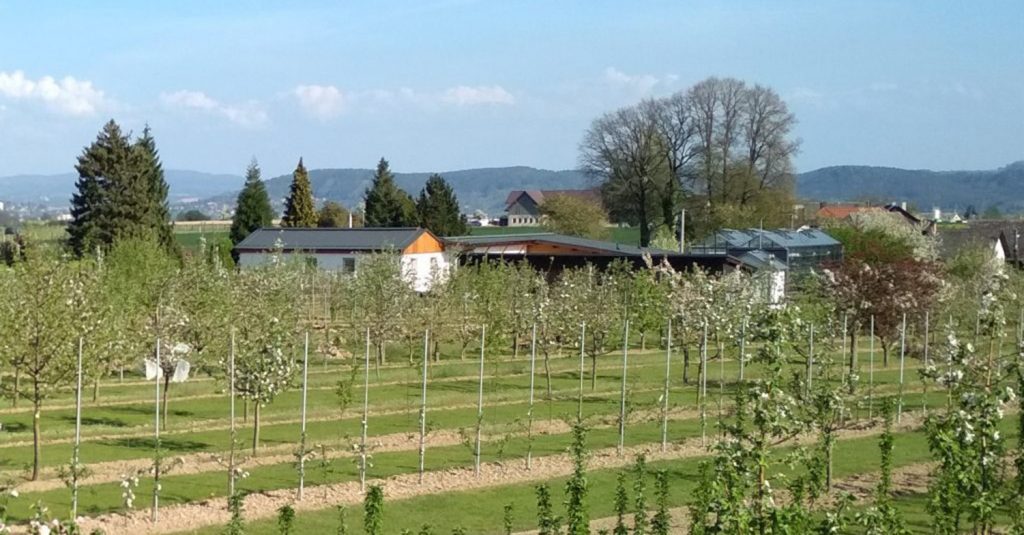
[(265, 335), (45, 311)]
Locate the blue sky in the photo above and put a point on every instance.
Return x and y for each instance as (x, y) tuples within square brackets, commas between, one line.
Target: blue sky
[(450, 84)]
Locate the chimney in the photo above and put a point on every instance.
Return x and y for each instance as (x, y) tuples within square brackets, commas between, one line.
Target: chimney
[(903, 206)]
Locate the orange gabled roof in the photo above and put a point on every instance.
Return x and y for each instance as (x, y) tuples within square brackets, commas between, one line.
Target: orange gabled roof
[(841, 211)]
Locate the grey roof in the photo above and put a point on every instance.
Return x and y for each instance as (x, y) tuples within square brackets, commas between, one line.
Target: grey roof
[(758, 260), (605, 247), (977, 234), (768, 239), (329, 239)]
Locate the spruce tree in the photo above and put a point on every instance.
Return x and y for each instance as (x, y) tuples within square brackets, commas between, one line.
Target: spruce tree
[(252, 210), (154, 215), (438, 208), (120, 193), (387, 205), (299, 209)]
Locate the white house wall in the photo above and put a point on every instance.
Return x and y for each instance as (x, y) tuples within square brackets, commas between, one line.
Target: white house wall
[(420, 269)]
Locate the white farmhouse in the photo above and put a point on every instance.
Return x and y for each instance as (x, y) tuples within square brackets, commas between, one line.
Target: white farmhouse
[(339, 249)]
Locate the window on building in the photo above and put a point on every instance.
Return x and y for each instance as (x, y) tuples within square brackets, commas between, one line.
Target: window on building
[(348, 265)]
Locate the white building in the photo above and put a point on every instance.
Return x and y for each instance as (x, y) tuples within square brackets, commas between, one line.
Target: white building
[(422, 254)]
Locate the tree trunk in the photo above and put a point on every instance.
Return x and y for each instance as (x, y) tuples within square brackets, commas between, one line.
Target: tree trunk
[(547, 373), (255, 427), (17, 386), (686, 364), (853, 347), (37, 446), (515, 346), (885, 353), (245, 410), (167, 386), (643, 341), (593, 371), (96, 389)]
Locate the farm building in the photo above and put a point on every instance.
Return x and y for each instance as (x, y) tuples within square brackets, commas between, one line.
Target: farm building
[(522, 208), (553, 253), (339, 249), (798, 250)]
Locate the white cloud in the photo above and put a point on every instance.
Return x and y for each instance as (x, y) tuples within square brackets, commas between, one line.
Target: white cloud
[(479, 95), (640, 83), (248, 114), (321, 101), (68, 95)]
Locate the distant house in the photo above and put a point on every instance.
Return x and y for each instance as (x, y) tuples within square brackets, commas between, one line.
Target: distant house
[(798, 250), (522, 207), (1003, 240), (422, 254), (843, 211)]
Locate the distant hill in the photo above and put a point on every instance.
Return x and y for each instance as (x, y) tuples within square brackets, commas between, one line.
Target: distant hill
[(56, 189), (1002, 188), (484, 189)]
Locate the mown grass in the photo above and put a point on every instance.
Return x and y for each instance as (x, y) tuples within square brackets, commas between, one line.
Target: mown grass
[(479, 511)]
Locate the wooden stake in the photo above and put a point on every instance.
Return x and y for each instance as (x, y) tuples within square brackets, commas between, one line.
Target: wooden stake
[(664, 395), (302, 433), (231, 382), (583, 342), (903, 352), (423, 404), (529, 410), (78, 436), (155, 515), (366, 405), (622, 394), (479, 403), (871, 372)]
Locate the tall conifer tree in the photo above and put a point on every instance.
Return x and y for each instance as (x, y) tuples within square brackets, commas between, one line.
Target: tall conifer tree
[(387, 205), (438, 208), (299, 209), (252, 210), (121, 192), (154, 215)]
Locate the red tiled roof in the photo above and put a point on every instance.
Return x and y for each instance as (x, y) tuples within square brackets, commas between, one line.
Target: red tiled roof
[(841, 211)]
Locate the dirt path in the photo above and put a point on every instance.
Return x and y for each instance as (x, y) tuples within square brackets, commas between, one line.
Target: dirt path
[(192, 516)]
